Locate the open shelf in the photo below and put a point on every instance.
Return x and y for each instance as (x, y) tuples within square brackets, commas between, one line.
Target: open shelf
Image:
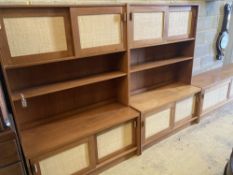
[(171, 41), (73, 126), (55, 87), (147, 101), (154, 64)]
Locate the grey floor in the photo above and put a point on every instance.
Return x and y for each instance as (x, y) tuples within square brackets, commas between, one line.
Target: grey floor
[(201, 149)]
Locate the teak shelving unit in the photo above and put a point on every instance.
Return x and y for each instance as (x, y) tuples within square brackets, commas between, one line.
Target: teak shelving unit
[(161, 58), (72, 73)]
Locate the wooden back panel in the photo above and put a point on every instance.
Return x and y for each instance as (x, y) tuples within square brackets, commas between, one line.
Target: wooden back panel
[(161, 52), (47, 106), (63, 71)]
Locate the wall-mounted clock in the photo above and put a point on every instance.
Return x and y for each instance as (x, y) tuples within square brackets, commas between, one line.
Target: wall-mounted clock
[(223, 37)]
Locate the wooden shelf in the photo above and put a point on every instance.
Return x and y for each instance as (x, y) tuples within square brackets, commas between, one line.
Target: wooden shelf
[(154, 64), (213, 77), (55, 60), (150, 100), (72, 127), (55, 87), (165, 42)]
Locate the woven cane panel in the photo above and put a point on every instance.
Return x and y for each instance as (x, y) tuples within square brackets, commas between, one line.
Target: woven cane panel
[(179, 23), (184, 108), (157, 122), (99, 30), (67, 162), (35, 35), (215, 96), (148, 26), (114, 140)]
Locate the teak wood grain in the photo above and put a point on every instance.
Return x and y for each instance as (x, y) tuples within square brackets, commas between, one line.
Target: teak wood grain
[(150, 65), (213, 77), (50, 88), (73, 127), (147, 101), (74, 95)]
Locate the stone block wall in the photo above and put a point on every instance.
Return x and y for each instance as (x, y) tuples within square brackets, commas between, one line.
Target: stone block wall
[(209, 24)]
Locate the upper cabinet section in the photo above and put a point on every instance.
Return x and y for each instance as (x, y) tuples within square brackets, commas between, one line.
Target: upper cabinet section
[(98, 30), (158, 24), (31, 35), (35, 35)]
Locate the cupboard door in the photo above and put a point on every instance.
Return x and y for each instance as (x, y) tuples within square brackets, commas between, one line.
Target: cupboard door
[(115, 140), (147, 25), (184, 108), (215, 96), (35, 35), (157, 122), (180, 22), (98, 30), (67, 162)]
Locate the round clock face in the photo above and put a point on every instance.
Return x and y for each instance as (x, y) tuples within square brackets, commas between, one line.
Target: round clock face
[(224, 40)]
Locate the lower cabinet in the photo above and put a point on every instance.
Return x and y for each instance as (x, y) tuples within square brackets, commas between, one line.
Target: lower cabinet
[(215, 96), (164, 120), (86, 155)]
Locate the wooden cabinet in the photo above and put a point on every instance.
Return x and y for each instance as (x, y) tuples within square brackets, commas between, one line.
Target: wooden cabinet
[(79, 77), (216, 88), (98, 29), (215, 95), (85, 155), (165, 119)]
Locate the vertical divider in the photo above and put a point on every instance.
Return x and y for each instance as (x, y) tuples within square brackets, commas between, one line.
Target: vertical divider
[(123, 94), (74, 30)]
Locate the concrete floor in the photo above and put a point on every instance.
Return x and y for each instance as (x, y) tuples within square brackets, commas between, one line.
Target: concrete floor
[(201, 149)]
